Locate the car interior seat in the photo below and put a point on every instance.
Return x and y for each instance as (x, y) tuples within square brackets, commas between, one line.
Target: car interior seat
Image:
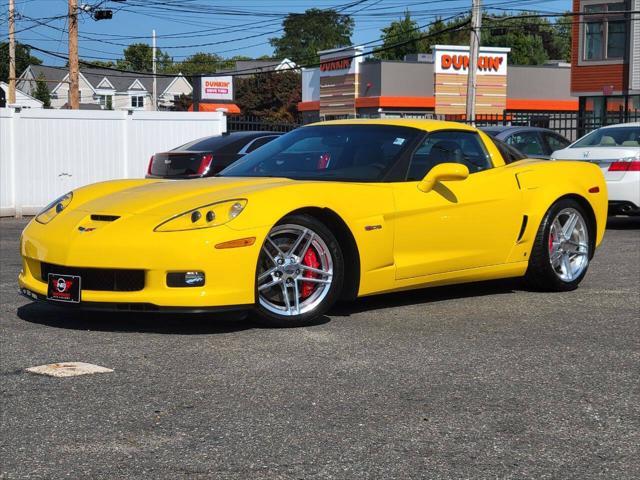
[(607, 141)]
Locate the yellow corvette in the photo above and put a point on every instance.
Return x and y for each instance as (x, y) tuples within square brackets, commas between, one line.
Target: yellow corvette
[(334, 210)]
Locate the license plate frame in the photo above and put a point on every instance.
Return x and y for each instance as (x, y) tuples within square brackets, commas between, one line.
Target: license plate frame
[(64, 288)]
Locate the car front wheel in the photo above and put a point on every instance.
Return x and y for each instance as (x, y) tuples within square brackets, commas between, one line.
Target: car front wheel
[(300, 272)]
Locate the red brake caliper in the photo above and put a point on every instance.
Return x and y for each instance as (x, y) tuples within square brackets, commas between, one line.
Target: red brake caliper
[(310, 259), (551, 238)]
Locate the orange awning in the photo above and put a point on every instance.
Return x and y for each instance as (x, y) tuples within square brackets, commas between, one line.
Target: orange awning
[(229, 108)]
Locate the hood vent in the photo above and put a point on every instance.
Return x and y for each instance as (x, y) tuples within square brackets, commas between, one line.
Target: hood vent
[(104, 218)]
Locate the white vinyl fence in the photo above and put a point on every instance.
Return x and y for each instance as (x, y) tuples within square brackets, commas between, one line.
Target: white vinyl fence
[(46, 153)]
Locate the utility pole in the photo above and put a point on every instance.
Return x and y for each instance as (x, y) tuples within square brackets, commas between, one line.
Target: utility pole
[(74, 71), (155, 92), (12, 53), (474, 51)]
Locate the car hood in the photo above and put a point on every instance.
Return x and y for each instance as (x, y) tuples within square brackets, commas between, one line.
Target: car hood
[(160, 198), (595, 153)]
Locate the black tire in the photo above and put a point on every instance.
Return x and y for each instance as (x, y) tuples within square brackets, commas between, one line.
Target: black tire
[(540, 274), (271, 319)]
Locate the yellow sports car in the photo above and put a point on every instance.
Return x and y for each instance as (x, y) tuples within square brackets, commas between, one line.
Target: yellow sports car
[(340, 209)]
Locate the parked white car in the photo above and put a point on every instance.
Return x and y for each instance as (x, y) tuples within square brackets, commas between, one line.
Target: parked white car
[(616, 149)]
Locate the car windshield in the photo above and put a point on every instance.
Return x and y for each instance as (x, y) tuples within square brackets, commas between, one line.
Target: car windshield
[(611, 137), (357, 153)]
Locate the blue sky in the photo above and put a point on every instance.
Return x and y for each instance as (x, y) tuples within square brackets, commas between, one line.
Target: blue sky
[(240, 27)]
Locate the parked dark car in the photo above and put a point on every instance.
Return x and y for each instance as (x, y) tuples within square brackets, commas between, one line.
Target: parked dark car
[(533, 142), (509, 153), (206, 156)]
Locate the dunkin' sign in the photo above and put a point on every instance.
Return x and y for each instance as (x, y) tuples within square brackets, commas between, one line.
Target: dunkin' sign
[(337, 64), (217, 88), (455, 60), (340, 61)]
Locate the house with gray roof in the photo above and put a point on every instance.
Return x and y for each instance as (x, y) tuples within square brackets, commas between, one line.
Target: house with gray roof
[(105, 88), (248, 68)]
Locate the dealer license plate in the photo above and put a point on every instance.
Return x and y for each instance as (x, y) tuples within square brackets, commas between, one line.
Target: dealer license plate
[(64, 288)]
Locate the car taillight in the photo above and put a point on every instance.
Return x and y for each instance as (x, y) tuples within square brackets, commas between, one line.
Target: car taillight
[(205, 164), (628, 166), (150, 164)]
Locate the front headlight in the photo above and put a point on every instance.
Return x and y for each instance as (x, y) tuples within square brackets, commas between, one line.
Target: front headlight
[(49, 212), (211, 215)]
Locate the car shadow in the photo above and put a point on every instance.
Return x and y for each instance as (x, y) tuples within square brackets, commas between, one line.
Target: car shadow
[(428, 295), (221, 323), (623, 223), (180, 324), (143, 322)]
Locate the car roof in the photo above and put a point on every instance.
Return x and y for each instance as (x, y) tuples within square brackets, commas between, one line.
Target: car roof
[(513, 128), (225, 140), (631, 124), (420, 124)]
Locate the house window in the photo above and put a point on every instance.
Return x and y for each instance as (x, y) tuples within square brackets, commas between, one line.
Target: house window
[(137, 101), (605, 33), (105, 101)]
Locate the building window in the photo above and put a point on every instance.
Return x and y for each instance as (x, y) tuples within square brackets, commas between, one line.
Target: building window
[(605, 33), (137, 101), (105, 101)]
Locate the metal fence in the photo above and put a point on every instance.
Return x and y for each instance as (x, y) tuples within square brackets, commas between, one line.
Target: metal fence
[(254, 124), (571, 125)]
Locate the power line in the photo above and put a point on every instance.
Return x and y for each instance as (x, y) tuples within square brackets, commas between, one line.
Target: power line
[(460, 27)]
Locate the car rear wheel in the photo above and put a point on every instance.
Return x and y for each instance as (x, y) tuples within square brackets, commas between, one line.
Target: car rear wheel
[(562, 248), (300, 272)]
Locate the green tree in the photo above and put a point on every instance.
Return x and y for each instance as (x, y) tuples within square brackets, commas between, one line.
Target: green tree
[(182, 103), (523, 35), (23, 60), (401, 31), (42, 91), (96, 64), (447, 33), (197, 63), (532, 40), (139, 57), (272, 96), (306, 33)]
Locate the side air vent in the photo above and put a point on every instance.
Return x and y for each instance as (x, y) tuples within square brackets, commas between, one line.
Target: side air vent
[(523, 227), (104, 218)]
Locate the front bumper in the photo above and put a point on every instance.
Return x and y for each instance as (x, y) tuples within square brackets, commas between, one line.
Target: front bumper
[(132, 244), (133, 307)]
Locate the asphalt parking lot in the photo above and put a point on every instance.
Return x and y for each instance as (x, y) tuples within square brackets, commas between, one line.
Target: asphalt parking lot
[(478, 381)]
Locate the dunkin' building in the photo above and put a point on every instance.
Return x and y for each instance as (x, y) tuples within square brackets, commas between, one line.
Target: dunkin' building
[(346, 85)]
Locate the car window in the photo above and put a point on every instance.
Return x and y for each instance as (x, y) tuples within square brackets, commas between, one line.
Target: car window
[(611, 137), (529, 143), (349, 152), (258, 142), (509, 154), (555, 142), (449, 147)]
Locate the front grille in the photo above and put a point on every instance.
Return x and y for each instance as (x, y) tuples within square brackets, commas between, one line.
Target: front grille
[(102, 279)]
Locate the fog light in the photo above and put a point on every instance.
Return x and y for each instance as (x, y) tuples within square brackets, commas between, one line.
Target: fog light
[(185, 279)]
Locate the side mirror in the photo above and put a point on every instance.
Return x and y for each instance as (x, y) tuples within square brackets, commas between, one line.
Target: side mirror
[(444, 172)]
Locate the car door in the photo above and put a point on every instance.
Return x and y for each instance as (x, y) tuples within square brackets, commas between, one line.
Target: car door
[(459, 224), (529, 142)]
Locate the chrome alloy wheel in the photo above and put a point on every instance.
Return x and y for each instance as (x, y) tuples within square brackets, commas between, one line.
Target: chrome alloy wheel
[(569, 244), (295, 270)]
